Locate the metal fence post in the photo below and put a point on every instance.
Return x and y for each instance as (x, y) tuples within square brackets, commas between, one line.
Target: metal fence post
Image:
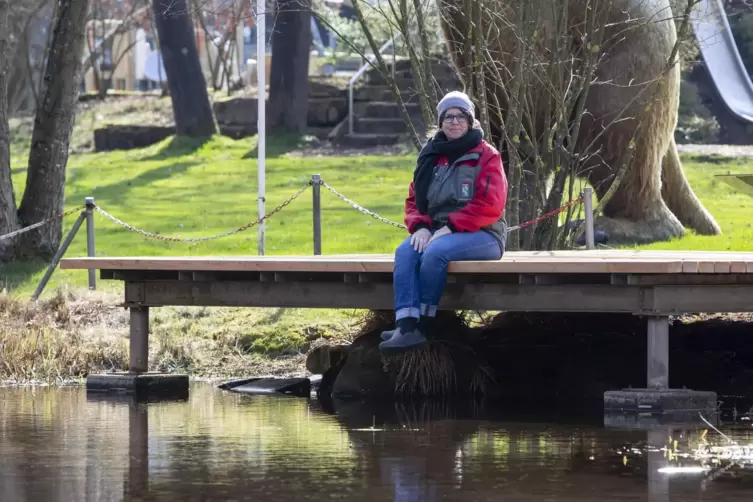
[(588, 209), (89, 203), (316, 181)]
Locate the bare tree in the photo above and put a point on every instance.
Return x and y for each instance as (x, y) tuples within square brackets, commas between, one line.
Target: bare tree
[(288, 89), (44, 194), (556, 98), (188, 90), (8, 219), (108, 24), (221, 67)]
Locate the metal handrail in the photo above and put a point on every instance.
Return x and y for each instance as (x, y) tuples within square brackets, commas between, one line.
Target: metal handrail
[(361, 71)]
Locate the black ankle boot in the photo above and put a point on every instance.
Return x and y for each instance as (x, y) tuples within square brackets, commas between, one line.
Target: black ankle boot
[(407, 324), (426, 325)]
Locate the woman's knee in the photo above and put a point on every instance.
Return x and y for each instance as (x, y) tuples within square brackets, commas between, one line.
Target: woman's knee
[(435, 256), (405, 251)]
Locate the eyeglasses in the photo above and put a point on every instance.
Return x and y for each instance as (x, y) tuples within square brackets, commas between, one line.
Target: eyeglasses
[(460, 119)]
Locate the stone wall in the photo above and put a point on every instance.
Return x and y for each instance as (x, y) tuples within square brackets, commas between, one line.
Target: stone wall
[(236, 118), (126, 137)]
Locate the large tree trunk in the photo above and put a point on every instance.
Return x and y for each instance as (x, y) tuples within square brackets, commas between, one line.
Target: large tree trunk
[(288, 81), (188, 88), (8, 217), (45, 182)]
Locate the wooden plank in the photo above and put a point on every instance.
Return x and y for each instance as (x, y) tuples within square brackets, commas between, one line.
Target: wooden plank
[(737, 268), (722, 267), (689, 267), (688, 279), (565, 265), (532, 262), (708, 299), (655, 300), (559, 298), (706, 267)]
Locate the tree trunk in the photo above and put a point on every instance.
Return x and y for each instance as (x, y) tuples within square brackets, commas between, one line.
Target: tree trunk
[(45, 182), (288, 80), (8, 217), (188, 88)]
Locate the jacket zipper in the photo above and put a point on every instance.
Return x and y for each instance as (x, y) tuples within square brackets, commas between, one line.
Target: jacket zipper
[(488, 179)]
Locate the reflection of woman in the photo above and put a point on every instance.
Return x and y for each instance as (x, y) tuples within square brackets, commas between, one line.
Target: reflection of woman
[(453, 213)]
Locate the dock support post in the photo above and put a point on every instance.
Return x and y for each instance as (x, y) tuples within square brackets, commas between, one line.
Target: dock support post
[(138, 380), (657, 376), (89, 204), (316, 183), (139, 357), (657, 398), (588, 209)]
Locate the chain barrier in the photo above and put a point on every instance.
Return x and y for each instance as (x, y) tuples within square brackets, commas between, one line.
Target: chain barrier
[(202, 239), (41, 223), (399, 225), (277, 209), (361, 208), (547, 215)]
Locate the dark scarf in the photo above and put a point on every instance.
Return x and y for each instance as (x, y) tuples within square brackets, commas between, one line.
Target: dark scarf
[(438, 146)]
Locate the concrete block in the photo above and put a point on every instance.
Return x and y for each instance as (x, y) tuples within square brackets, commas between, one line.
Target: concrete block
[(660, 400), (142, 384), (687, 420)]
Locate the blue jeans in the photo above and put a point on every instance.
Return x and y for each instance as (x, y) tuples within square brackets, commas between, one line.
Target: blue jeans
[(419, 278)]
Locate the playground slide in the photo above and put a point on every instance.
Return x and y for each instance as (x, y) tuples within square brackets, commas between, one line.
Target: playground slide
[(722, 59)]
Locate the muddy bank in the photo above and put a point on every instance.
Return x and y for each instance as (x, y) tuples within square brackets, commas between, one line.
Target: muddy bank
[(544, 356), (64, 338), (514, 355)]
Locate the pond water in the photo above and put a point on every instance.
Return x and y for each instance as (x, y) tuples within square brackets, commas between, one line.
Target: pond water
[(64, 445)]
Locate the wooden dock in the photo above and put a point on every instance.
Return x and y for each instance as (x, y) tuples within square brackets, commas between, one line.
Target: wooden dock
[(655, 284)]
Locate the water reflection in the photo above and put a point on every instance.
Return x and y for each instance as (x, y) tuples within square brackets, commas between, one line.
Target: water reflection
[(62, 445)]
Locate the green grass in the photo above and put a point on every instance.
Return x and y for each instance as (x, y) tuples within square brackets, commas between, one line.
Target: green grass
[(189, 189), (731, 208), (193, 190), (186, 189)]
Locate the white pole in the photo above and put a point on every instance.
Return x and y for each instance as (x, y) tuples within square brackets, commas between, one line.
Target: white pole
[(261, 67)]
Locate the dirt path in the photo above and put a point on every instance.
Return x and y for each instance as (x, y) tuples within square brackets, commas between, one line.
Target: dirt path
[(723, 150)]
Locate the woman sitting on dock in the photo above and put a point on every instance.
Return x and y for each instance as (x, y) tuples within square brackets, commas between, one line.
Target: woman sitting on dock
[(453, 213)]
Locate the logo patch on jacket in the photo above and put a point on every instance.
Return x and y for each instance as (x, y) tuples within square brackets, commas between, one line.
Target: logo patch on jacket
[(465, 189)]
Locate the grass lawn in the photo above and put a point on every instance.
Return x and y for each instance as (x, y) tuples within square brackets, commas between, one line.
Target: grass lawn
[(181, 189), (194, 191), (732, 209), (187, 190)]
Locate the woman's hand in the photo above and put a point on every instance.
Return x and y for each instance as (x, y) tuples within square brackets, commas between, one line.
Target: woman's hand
[(439, 233), (420, 239)]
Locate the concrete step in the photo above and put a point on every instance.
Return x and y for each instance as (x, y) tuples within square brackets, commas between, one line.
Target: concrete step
[(385, 109), (348, 65), (437, 61), (367, 140), (382, 93), (402, 81), (372, 93), (380, 126), (405, 72)]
